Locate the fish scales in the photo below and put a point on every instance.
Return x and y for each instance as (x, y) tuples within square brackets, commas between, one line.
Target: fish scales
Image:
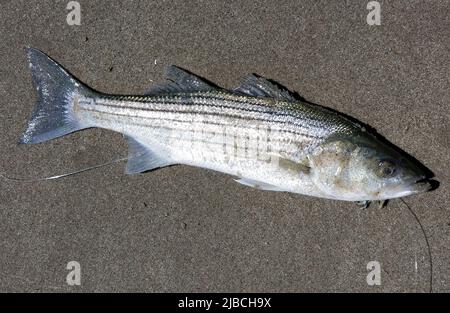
[(202, 115)]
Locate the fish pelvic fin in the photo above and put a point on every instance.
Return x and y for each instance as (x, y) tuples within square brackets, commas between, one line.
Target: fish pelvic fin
[(53, 115)]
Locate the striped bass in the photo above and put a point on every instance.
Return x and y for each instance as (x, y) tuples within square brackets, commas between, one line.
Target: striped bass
[(259, 132)]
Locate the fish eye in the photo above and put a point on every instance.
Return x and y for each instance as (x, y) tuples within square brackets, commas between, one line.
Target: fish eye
[(386, 168)]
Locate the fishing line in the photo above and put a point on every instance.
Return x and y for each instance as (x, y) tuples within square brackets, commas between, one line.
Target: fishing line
[(28, 179), (54, 177), (426, 240)]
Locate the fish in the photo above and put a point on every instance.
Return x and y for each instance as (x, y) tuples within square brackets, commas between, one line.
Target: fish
[(259, 132)]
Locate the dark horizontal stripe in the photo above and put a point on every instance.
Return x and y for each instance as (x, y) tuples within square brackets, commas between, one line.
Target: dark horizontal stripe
[(241, 148), (199, 112), (202, 131), (238, 106), (207, 122)]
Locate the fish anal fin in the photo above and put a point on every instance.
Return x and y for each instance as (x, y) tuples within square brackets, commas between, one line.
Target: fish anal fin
[(258, 184), (141, 158)]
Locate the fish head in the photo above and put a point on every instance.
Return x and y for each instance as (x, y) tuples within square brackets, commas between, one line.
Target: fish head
[(357, 168)]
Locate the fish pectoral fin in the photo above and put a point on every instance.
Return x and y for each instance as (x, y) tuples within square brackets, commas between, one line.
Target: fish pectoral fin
[(141, 159), (289, 164), (257, 184), (180, 80), (257, 86)]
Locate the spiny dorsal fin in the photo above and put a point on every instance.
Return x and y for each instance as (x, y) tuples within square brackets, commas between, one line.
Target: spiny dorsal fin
[(258, 86), (180, 80)]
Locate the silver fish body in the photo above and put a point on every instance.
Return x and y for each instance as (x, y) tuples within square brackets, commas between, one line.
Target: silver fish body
[(258, 132), (235, 134)]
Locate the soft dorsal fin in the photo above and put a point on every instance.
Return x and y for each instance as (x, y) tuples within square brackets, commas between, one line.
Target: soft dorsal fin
[(180, 80), (258, 86)]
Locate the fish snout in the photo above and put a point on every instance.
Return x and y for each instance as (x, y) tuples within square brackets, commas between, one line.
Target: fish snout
[(424, 184)]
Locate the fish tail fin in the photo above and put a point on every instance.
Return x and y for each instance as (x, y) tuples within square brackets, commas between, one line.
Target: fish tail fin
[(53, 115)]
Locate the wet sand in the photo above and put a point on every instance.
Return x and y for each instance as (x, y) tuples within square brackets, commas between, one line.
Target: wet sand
[(187, 229)]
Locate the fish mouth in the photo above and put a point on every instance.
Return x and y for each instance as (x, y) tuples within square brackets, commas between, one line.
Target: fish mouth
[(424, 184)]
